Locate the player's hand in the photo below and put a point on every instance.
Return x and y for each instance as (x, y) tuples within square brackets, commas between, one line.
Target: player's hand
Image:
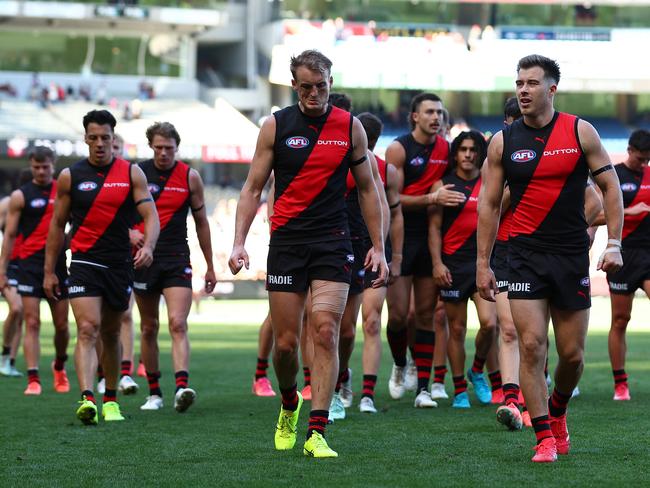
[(395, 268), (446, 197), (143, 258), (137, 238), (376, 262), (442, 276), (210, 281), (51, 286), (610, 260), (637, 209), (238, 259), (486, 283)]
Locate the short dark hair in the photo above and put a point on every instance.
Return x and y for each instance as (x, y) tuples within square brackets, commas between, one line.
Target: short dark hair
[(99, 117), (511, 108), (550, 67), (373, 127), (341, 100), (479, 142), (163, 129), (41, 154), (640, 140), (311, 59), (417, 100)]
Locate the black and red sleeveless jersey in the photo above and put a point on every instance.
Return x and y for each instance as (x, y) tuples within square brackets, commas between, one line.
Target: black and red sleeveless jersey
[(546, 170), (170, 190), (102, 211), (636, 189), (504, 225), (424, 164), (34, 222), (459, 223), (311, 159), (358, 229)]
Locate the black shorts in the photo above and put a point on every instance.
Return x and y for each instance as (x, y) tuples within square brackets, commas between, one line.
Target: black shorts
[(12, 273), (463, 277), (163, 273), (635, 270), (113, 284), (499, 264), (562, 279), (30, 279), (416, 258), (292, 267), (357, 277)]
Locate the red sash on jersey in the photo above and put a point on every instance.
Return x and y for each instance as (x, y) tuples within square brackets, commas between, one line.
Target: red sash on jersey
[(549, 177), (109, 199), (631, 222), (504, 225), (36, 240), (315, 172), (171, 197), (464, 225), (15, 252), (436, 167)]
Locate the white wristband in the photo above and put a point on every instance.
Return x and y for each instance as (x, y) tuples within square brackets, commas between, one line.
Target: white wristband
[(614, 242)]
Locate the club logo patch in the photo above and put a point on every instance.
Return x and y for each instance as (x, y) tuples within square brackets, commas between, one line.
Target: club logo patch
[(38, 203), (523, 155), (87, 186), (628, 187), (585, 281), (297, 142)]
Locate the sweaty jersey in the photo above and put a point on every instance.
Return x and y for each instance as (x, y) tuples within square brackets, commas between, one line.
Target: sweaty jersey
[(424, 164), (459, 223), (171, 191), (311, 159), (636, 189), (102, 211), (35, 222), (358, 228), (546, 170)]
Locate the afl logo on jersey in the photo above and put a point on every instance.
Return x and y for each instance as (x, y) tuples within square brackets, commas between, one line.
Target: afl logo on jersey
[(87, 186), (523, 155), (153, 188), (297, 142), (585, 281), (418, 161), (628, 186), (38, 203)]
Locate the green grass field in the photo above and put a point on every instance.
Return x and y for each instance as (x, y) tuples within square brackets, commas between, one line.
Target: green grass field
[(226, 438)]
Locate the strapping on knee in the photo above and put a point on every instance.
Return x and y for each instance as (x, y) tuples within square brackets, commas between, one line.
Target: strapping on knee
[(329, 296)]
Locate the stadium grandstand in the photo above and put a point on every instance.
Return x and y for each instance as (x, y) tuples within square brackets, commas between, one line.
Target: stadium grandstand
[(216, 69)]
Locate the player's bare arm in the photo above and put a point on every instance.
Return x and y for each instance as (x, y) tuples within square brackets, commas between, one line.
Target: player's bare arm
[(441, 274), (396, 220), (369, 202), (605, 177), (147, 210), (249, 198), (379, 186), (489, 212), (56, 234), (197, 207), (16, 204)]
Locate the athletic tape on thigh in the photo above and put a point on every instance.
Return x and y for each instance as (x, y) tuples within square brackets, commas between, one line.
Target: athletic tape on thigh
[(329, 296)]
